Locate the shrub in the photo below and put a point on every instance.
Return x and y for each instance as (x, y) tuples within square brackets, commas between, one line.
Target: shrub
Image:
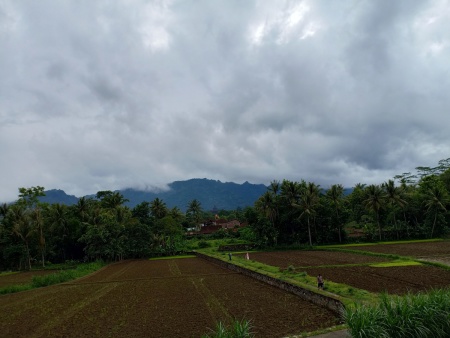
[(203, 244)]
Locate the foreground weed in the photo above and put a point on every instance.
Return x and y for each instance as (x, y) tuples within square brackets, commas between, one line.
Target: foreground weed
[(419, 315), (238, 329)]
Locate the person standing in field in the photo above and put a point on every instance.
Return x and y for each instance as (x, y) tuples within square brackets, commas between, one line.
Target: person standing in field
[(320, 282), (247, 257)]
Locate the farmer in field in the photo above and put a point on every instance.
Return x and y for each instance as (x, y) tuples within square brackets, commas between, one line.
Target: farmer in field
[(320, 282), (230, 255), (247, 257)]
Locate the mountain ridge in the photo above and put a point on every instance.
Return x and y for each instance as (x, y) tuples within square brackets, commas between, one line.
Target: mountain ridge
[(212, 194)]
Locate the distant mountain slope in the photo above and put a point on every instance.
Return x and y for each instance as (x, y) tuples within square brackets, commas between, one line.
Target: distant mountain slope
[(58, 196), (210, 193)]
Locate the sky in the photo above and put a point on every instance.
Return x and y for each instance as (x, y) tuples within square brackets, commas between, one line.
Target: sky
[(106, 95)]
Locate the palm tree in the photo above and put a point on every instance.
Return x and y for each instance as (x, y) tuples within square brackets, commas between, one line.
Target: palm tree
[(38, 222), (112, 200), (58, 219), (394, 196), (335, 195), (158, 208), (176, 214), (374, 201), (290, 191), (309, 200), (195, 210), (274, 187), (4, 209), (435, 200), (266, 205), (82, 208), (22, 227)]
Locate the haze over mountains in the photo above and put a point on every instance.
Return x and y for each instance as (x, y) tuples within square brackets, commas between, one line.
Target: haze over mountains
[(212, 194)]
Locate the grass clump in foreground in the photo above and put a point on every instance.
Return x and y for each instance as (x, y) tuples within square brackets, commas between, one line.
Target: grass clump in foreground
[(413, 315), (238, 329)]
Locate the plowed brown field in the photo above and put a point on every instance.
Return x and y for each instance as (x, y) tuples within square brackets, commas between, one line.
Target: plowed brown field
[(163, 298), (430, 251), (283, 259), (394, 279)]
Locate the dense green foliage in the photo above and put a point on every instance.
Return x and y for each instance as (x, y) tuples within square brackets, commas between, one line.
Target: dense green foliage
[(302, 212), (420, 315), (288, 213)]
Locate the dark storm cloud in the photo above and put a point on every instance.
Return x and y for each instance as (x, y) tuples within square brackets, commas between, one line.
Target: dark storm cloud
[(106, 95)]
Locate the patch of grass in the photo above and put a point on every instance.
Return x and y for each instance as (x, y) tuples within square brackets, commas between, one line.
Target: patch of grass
[(6, 273), (55, 278), (171, 257), (377, 243), (395, 263), (14, 288), (365, 253), (436, 264)]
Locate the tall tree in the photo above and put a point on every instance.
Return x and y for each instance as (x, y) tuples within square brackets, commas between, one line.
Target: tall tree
[(57, 219), (394, 197), (22, 228), (309, 200), (335, 194), (374, 201), (436, 199), (195, 211), (111, 200), (158, 208)]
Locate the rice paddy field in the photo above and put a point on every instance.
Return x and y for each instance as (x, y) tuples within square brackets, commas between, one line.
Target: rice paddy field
[(371, 273)]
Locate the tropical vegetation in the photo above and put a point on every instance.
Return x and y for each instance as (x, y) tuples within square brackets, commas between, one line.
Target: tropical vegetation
[(409, 206)]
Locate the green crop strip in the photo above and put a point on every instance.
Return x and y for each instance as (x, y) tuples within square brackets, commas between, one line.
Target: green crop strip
[(396, 263), (170, 257)]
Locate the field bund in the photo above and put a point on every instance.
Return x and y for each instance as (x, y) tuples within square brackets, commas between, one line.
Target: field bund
[(328, 302)]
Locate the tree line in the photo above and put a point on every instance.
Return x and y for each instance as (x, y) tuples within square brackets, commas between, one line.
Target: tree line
[(104, 228), (289, 212), (301, 212)]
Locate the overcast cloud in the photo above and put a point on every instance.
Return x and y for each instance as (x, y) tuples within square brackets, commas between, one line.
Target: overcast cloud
[(104, 95)]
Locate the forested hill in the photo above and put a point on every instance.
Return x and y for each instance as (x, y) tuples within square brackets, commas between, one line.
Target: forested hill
[(211, 194)]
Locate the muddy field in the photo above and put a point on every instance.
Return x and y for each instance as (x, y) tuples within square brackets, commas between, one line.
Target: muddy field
[(163, 298), (299, 259), (21, 278), (430, 251), (394, 279)]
